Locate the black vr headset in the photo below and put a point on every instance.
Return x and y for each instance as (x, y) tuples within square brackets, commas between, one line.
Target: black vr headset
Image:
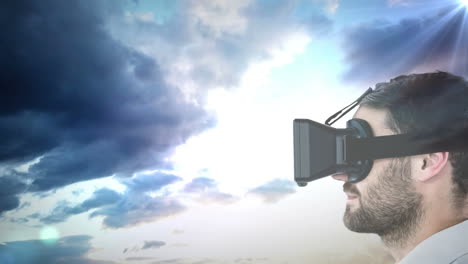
[(320, 150)]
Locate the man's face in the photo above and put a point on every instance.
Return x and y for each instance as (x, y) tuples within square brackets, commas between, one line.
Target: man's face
[(386, 201)]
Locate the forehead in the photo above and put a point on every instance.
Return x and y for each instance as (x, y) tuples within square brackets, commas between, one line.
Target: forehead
[(376, 119)]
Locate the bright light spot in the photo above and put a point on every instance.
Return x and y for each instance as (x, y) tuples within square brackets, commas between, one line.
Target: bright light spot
[(49, 235), (464, 2), (251, 142), (259, 73)]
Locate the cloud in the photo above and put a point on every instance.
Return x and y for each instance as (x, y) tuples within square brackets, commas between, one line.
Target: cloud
[(34, 216), (205, 190), (208, 44), (71, 249), (143, 201), (99, 198), (138, 258), (86, 104), (200, 184), (187, 261), (136, 209), (132, 207), (274, 191), (103, 91), (22, 220), (381, 50), (333, 6), (216, 197), (215, 260), (149, 182), (393, 3), (137, 206), (10, 187), (178, 231), (77, 192), (153, 244), (222, 17)]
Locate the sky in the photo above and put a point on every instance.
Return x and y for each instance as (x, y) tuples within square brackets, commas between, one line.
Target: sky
[(160, 131)]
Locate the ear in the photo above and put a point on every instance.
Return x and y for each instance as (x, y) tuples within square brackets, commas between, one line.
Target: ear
[(430, 165)]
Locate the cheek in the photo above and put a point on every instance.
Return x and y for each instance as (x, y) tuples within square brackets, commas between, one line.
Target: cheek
[(377, 169), (414, 172)]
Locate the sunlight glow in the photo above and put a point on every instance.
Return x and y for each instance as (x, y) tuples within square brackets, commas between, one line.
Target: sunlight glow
[(49, 235), (238, 152), (464, 2)]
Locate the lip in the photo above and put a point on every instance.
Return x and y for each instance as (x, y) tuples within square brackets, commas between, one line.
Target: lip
[(351, 196)]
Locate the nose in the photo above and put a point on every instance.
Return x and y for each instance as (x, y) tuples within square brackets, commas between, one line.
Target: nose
[(340, 177)]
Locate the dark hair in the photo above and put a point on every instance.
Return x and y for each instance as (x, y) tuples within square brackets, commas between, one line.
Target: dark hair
[(427, 102)]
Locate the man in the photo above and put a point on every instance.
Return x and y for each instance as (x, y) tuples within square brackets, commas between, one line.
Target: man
[(418, 205)]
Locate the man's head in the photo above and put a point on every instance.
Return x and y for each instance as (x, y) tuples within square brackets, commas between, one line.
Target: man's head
[(399, 192)]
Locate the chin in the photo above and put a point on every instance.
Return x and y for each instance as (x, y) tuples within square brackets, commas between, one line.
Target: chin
[(351, 207)]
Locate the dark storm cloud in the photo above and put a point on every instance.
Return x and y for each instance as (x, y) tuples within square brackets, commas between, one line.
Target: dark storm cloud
[(134, 206), (275, 190), (84, 102), (380, 50), (97, 91), (10, 187), (72, 249)]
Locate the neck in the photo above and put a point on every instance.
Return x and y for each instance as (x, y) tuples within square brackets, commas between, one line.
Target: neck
[(400, 242)]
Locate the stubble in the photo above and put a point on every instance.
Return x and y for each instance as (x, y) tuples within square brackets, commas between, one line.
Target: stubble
[(391, 209)]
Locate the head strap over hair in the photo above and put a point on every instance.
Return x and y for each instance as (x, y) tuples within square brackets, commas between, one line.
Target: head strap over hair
[(332, 119)]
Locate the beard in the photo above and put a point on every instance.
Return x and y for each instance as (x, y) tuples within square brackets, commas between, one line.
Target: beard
[(391, 209)]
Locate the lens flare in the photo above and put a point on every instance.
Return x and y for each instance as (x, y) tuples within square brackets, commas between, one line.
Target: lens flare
[(49, 235)]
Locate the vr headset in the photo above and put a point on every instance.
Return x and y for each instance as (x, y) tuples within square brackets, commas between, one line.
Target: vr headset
[(320, 150)]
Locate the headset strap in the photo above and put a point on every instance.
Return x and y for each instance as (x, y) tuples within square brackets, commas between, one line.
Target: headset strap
[(401, 145), (332, 119)]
